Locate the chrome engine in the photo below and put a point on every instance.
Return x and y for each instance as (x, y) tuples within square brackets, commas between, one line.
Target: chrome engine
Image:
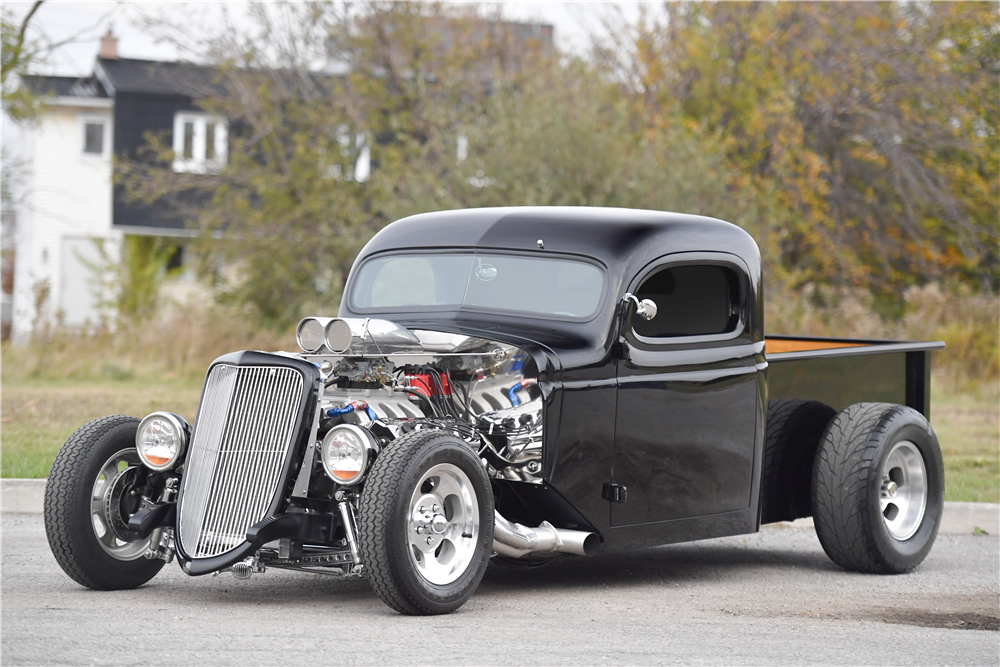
[(470, 385)]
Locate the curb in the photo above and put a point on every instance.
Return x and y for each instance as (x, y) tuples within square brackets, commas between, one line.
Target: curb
[(22, 496), (25, 496)]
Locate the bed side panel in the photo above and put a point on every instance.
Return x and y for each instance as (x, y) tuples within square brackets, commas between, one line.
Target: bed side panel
[(840, 381)]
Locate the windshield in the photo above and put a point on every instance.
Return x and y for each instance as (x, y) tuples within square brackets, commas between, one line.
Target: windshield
[(538, 285)]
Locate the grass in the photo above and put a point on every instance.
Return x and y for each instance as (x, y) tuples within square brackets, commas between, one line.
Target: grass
[(968, 428), (38, 416)]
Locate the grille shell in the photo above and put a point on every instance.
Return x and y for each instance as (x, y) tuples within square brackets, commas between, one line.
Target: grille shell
[(247, 423)]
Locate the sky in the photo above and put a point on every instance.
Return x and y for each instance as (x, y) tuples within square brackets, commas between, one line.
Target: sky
[(81, 24), (84, 22)]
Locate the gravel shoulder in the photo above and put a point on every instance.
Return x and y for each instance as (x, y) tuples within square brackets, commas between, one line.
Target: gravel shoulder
[(769, 598)]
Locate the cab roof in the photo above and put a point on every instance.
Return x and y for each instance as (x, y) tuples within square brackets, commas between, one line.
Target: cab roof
[(613, 236)]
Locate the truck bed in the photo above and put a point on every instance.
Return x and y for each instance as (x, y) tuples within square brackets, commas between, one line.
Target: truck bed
[(844, 371)]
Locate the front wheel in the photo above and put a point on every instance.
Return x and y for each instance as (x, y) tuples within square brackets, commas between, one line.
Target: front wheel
[(878, 488), (90, 496), (425, 523)]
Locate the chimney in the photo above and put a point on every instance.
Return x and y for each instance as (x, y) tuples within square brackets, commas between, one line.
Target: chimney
[(109, 46)]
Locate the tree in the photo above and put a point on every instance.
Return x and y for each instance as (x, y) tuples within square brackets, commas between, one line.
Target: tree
[(563, 135), (291, 207), (869, 130), (18, 54)]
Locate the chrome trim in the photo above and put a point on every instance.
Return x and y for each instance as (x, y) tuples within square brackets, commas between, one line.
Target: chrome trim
[(322, 323), (347, 516), (245, 427), (353, 336)]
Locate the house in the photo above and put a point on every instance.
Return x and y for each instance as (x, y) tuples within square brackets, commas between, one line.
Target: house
[(74, 217), (71, 208)]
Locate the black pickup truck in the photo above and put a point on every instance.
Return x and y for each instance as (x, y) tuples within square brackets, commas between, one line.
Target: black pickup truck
[(517, 385)]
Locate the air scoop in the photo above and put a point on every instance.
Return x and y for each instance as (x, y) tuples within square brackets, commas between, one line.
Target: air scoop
[(355, 336)]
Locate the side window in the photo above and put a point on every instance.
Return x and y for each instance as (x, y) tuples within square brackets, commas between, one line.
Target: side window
[(695, 300)]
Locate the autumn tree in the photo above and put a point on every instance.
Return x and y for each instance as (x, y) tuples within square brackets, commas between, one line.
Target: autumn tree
[(868, 130)]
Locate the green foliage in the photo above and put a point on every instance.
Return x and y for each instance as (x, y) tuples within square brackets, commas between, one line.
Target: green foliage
[(142, 270), (128, 283), (563, 136)]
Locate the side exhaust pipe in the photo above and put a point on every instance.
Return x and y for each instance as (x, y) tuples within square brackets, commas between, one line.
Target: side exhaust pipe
[(514, 540)]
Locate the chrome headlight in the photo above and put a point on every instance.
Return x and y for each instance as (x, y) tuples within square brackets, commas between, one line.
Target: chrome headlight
[(162, 439), (347, 449)]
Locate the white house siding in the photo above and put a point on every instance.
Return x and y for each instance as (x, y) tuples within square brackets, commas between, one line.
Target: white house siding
[(67, 201)]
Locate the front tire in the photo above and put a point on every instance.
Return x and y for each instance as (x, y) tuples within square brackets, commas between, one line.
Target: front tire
[(425, 523), (88, 502), (878, 488)]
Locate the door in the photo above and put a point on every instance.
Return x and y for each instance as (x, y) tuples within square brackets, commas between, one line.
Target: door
[(80, 285), (687, 393)]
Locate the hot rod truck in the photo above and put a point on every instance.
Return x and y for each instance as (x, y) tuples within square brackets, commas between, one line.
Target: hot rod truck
[(515, 385)]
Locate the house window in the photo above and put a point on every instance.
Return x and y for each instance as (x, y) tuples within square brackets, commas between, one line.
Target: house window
[(200, 143), (94, 136)]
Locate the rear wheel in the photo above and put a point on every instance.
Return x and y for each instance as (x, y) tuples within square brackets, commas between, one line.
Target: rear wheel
[(878, 488), (89, 498), (425, 523)]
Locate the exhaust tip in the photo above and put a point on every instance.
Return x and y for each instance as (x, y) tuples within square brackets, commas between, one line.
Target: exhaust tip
[(591, 545)]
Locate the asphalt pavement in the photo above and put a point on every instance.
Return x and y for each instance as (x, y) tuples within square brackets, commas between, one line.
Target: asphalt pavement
[(767, 599)]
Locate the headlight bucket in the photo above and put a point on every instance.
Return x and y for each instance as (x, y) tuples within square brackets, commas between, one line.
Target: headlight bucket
[(346, 452), (162, 439)]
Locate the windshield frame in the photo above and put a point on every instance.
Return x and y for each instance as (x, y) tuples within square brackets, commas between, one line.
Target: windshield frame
[(471, 252)]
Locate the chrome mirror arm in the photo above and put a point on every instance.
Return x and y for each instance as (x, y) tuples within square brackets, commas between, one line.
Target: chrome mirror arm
[(646, 309)]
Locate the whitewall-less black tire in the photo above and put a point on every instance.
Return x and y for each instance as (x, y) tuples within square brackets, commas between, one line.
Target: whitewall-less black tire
[(878, 488), (88, 502), (425, 523)]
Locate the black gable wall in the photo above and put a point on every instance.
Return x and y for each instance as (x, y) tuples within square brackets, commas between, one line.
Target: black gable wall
[(137, 114)]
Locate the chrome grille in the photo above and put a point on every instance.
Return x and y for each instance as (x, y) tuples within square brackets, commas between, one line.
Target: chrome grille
[(244, 428)]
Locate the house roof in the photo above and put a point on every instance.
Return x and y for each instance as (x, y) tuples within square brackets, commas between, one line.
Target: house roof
[(65, 86), (127, 75)]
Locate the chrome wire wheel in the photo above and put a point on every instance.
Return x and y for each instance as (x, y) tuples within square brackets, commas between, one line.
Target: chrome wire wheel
[(443, 527), (903, 492), (113, 500)]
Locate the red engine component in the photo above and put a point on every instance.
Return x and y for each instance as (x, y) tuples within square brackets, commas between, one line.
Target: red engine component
[(424, 383)]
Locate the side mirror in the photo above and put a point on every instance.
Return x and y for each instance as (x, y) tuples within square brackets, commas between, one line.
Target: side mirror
[(646, 309)]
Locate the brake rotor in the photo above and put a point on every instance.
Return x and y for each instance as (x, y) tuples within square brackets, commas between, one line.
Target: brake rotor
[(120, 492)]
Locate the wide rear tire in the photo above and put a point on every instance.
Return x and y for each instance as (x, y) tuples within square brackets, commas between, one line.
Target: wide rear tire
[(88, 501), (878, 488), (425, 523)]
